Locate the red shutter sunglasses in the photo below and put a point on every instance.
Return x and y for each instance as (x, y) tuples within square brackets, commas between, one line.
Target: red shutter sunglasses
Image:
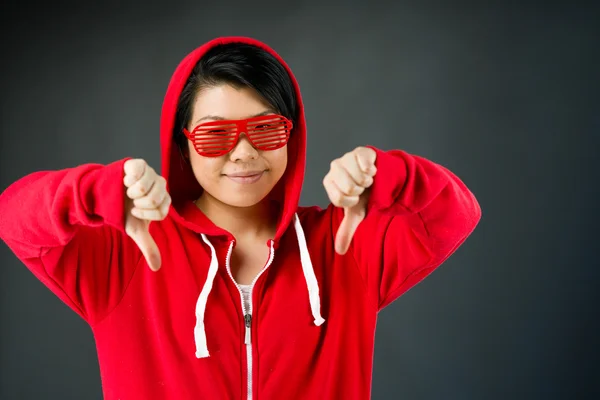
[(216, 138)]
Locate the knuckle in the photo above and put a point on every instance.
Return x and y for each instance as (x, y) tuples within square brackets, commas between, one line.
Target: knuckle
[(137, 164), (131, 192), (139, 168), (329, 193), (142, 188), (155, 200), (163, 212), (149, 215), (358, 190), (346, 187), (337, 197)]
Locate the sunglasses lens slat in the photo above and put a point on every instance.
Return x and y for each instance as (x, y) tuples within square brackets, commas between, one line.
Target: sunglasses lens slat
[(267, 139), (208, 141)]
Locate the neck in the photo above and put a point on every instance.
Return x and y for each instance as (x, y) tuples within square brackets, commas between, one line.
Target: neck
[(252, 222)]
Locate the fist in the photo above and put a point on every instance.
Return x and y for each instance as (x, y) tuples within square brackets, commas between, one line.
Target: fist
[(347, 184), (146, 200)]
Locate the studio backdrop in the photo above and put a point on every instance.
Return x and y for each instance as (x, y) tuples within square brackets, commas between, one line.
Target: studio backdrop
[(504, 96)]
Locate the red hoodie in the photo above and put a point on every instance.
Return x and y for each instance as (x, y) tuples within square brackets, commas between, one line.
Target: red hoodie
[(180, 333)]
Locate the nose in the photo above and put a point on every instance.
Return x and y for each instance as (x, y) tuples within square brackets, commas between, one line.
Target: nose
[(243, 150)]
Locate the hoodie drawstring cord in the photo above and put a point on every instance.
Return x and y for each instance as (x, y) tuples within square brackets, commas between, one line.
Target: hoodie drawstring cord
[(309, 276), (199, 331)]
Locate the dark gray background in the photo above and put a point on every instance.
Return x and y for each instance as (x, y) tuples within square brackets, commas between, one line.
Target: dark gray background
[(505, 96)]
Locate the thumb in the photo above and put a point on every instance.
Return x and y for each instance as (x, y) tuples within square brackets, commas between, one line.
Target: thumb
[(143, 239), (353, 216)]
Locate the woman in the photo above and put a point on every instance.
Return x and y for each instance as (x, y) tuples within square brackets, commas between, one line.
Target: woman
[(234, 291)]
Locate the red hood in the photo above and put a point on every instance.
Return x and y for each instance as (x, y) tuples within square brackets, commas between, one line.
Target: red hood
[(181, 182)]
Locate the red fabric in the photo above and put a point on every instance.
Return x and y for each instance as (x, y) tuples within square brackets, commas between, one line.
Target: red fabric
[(67, 228)]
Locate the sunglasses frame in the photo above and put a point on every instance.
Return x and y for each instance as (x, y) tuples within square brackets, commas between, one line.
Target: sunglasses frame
[(241, 125)]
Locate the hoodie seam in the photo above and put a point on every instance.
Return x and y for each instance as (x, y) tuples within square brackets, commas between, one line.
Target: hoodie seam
[(416, 271), (363, 281), (75, 303), (110, 311), (400, 288)]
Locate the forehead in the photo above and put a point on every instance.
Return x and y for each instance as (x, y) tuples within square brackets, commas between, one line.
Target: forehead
[(228, 102)]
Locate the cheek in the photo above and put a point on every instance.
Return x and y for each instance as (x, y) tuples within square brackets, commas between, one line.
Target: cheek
[(278, 160), (277, 163), (207, 170)]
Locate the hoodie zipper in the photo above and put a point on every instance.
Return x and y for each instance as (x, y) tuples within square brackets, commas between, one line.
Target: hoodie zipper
[(248, 313)]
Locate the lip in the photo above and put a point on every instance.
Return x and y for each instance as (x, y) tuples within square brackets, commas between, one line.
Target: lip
[(246, 177), (245, 174)]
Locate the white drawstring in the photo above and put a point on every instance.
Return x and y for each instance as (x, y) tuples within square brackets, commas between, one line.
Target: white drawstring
[(309, 276), (199, 332)]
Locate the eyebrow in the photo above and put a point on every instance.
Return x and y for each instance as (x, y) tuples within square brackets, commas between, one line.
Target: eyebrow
[(219, 118)]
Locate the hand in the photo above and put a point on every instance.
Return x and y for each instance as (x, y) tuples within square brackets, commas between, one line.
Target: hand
[(347, 186), (146, 200)]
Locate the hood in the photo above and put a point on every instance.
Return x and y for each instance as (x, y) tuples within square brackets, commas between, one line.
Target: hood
[(181, 182), (184, 189)]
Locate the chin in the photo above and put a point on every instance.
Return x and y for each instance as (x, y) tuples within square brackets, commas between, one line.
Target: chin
[(244, 200)]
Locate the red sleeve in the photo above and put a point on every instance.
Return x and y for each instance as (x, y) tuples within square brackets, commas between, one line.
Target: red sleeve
[(67, 227), (418, 214)]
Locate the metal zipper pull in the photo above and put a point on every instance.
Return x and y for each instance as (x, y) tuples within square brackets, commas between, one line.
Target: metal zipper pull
[(248, 320)]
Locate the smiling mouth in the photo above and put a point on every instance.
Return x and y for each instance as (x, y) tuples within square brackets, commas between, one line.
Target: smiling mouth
[(245, 174), (246, 177)]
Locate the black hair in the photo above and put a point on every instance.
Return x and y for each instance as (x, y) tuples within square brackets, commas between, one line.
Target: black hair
[(239, 65)]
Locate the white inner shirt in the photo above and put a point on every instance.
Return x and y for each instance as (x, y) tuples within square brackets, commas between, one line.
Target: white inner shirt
[(246, 296)]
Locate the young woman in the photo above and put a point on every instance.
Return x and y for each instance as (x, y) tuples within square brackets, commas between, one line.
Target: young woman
[(210, 282)]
